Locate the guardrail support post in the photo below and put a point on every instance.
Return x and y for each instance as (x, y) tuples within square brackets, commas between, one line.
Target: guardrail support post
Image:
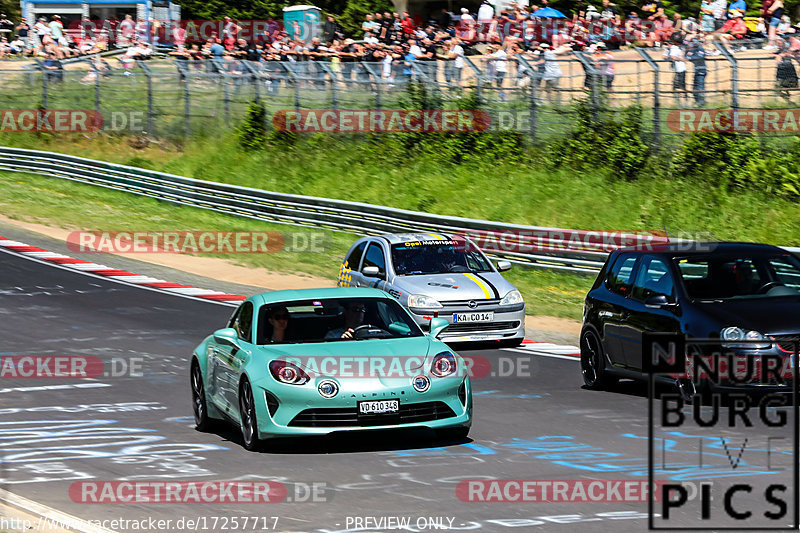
[(656, 99)]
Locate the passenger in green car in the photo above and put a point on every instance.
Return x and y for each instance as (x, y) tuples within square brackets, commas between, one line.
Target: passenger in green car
[(279, 320)]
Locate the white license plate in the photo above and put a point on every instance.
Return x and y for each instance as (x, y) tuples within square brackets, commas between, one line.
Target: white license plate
[(473, 317), (378, 407)]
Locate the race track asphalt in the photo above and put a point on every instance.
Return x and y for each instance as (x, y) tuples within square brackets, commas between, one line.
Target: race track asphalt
[(532, 421)]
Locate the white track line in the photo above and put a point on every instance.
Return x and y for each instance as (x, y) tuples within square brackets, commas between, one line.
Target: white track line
[(528, 351), (49, 516)]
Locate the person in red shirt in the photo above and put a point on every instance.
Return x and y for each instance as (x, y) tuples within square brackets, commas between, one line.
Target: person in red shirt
[(734, 28), (407, 23)]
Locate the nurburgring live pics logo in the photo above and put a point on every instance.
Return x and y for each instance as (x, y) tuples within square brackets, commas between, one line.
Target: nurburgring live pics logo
[(741, 426)]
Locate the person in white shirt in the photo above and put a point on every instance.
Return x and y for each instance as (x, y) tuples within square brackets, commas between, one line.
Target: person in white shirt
[(414, 49), (675, 54), (500, 58)]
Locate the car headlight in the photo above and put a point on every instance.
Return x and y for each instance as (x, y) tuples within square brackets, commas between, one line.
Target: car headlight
[(512, 298), (733, 334), (285, 372), (421, 300), (444, 364)]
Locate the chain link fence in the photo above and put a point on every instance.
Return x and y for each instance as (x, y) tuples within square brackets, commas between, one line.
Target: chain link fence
[(167, 98)]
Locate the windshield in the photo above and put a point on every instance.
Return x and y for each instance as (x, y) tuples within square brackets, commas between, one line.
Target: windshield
[(438, 257), (334, 319), (721, 277)]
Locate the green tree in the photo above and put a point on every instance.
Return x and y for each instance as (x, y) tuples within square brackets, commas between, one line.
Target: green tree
[(10, 8), (354, 13)]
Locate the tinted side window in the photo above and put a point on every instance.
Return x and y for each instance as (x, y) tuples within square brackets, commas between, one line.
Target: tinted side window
[(244, 321), (375, 258), (653, 278), (354, 259), (621, 275)]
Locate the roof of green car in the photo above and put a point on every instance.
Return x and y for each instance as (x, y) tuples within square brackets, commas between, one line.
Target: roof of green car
[(307, 294)]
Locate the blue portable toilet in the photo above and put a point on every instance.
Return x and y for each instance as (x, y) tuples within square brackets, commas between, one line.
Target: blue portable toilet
[(302, 22)]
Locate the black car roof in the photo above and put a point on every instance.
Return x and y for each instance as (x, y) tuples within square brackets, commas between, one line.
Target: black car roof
[(694, 248)]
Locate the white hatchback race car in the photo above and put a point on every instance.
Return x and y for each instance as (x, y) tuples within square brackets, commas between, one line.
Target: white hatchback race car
[(440, 276)]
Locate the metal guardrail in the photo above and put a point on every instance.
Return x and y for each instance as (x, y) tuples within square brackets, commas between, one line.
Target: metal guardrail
[(551, 248)]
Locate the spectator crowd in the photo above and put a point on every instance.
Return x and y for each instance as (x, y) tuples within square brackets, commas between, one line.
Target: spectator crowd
[(402, 45)]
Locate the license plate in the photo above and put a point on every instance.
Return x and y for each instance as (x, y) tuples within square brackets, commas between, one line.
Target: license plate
[(378, 407), (473, 317)]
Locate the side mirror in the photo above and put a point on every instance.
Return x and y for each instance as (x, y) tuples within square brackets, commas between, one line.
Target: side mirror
[(371, 271), (226, 336), (502, 266), (660, 301), (438, 325)]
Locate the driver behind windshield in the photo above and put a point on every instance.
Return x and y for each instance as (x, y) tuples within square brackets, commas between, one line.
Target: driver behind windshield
[(353, 317)]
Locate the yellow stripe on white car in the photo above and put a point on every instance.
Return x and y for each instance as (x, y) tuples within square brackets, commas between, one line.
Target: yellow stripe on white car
[(482, 286)]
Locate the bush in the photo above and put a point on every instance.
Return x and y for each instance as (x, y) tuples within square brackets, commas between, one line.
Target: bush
[(614, 142), (252, 133)]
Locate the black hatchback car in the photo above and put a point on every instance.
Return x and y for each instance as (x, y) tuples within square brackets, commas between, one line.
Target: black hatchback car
[(727, 291)]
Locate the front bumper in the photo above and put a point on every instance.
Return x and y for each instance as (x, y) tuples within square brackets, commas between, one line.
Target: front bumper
[(507, 325), (302, 410)]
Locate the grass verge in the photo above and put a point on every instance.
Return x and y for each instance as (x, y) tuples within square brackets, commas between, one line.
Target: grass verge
[(71, 205)]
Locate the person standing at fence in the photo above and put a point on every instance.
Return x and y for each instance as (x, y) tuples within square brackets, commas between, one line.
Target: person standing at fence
[(552, 71), (605, 65), (697, 55), (786, 75), (500, 58), (675, 55)]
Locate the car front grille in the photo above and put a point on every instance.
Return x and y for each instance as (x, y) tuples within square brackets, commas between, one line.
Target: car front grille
[(465, 303), (481, 326), (349, 417)]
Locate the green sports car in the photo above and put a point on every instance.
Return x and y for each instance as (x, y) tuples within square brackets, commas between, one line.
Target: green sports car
[(317, 361)]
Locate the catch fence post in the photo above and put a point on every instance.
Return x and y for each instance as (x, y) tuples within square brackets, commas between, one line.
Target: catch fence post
[(656, 99), (150, 114), (734, 73)]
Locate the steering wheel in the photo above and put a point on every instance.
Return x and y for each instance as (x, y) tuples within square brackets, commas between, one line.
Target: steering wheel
[(362, 328), (765, 288)]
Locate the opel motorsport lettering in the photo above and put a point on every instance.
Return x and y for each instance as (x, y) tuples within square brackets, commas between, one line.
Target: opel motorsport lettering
[(251, 372), (440, 276)]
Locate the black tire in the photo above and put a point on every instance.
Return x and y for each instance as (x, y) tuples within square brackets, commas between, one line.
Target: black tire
[(201, 420), (593, 363), (249, 422), (452, 434)]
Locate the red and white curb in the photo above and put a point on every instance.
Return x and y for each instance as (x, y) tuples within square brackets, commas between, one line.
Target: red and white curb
[(116, 274), (528, 347)]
